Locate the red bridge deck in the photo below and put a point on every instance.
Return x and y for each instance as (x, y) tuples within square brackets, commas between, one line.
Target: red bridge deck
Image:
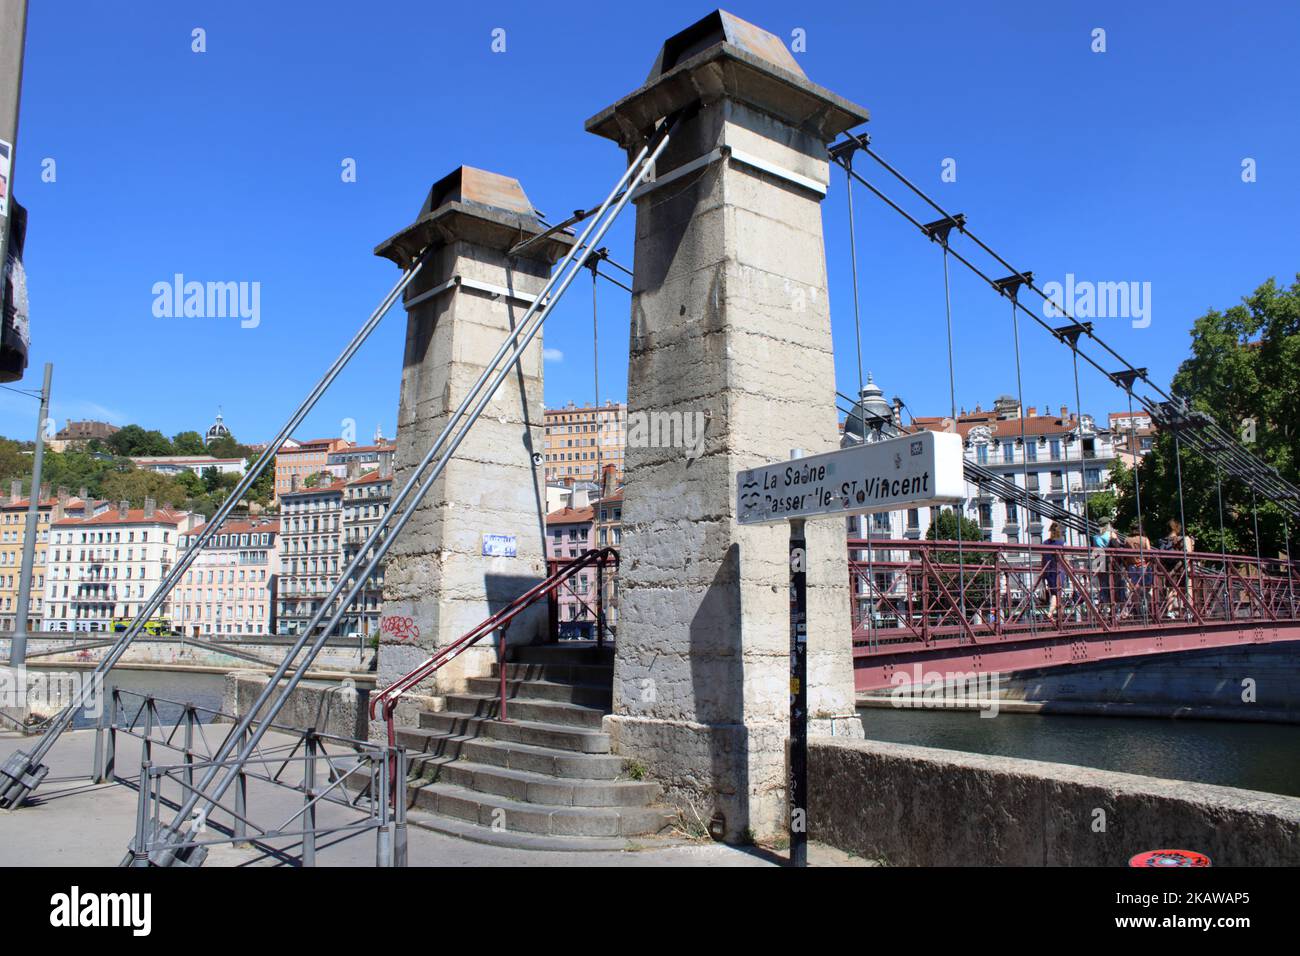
[(1012, 607)]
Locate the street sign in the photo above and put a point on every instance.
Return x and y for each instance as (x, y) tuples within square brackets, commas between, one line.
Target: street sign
[(500, 546), (908, 472)]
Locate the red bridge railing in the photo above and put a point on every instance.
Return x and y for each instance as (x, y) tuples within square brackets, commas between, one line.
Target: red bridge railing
[(913, 594)]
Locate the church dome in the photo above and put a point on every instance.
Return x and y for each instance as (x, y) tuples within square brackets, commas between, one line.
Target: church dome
[(216, 430), (879, 413)]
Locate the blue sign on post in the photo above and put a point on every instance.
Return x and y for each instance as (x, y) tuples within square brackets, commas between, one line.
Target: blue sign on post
[(500, 546)]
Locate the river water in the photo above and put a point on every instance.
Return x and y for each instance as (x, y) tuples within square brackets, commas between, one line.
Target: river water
[(202, 690), (1262, 757)]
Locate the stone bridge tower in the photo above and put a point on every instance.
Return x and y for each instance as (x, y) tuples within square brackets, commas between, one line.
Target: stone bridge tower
[(460, 308), (730, 328)]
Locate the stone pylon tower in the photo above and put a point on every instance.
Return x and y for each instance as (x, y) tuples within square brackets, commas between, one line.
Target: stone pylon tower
[(731, 330), (440, 581)]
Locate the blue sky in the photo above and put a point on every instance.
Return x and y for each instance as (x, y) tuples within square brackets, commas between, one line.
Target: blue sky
[(225, 165)]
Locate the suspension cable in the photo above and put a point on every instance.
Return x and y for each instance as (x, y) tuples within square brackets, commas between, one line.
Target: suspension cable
[(959, 511), (862, 414), (595, 369), (1010, 287), (1223, 544), (1244, 465)]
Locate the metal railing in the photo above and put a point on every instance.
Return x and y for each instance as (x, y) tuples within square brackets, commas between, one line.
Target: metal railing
[(922, 594), (385, 701), (320, 767)]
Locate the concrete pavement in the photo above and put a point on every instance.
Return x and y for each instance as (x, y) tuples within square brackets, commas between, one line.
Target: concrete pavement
[(71, 822)]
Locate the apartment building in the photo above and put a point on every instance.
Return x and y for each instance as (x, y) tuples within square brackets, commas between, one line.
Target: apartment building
[(1066, 458), (13, 535), (105, 566), (230, 588), (294, 465), (311, 551), (1135, 435), (579, 441), (570, 532), (577, 527), (365, 501)]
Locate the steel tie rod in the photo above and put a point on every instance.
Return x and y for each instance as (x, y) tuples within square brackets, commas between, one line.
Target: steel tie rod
[(380, 541), (23, 772)]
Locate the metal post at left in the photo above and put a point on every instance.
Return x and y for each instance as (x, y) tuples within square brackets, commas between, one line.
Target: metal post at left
[(798, 694), (18, 647)]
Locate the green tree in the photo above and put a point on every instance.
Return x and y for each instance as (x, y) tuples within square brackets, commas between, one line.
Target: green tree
[(946, 527), (137, 484), (14, 461), (227, 447), (188, 443), (264, 487), (134, 440), (1244, 371)]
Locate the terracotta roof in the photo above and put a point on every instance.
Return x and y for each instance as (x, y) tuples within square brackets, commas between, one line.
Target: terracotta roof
[(369, 478), (1038, 425), (133, 516), (570, 516), (616, 496), (337, 485), (243, 526), (356, 448), (22, 503)]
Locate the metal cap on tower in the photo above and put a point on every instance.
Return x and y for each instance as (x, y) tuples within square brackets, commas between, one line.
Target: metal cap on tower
[(723, 56), (479, 206)]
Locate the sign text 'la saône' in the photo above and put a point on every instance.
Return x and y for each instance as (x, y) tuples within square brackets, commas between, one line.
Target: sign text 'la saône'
[(908, 472)]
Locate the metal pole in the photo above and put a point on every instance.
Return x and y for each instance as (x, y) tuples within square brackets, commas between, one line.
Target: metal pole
[(13, 38), (309, 792), (798, 693), (384, 835), (1137, 491), (139, 855), (399, 811), (1223, 545), (18, 648), (1182, 522)]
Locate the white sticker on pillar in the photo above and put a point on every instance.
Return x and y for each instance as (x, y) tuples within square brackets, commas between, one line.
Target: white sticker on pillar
[(500, 546)]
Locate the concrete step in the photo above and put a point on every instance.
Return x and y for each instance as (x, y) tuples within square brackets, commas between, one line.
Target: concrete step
[(567, 652), (536, 734), (535, 711), (588, 695), (536, 788), (593, 675), (503, 813), (513, 839), (554, 763), (421, 743)]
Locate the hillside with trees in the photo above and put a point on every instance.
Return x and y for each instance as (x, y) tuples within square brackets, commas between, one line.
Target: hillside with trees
[(105, 470)]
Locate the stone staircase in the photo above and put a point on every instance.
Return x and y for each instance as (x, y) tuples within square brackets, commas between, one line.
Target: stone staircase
[(543, 778)]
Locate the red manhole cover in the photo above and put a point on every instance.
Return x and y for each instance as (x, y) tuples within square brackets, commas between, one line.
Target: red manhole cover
[(1170, 858)]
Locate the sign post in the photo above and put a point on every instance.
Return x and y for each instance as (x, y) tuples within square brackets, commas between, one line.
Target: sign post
[(925, 468), (798, 694)]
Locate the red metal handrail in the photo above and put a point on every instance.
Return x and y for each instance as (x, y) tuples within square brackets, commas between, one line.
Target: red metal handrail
[(393, 693)]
